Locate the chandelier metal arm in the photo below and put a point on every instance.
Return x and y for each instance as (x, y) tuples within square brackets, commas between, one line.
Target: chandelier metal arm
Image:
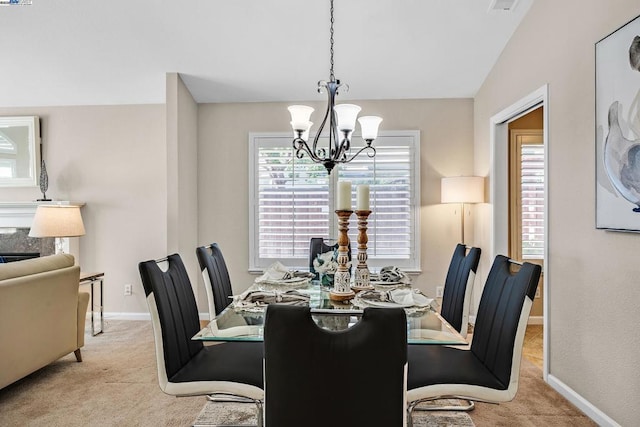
[(301, 147), (336, 147), (367, 147), (331, 87)]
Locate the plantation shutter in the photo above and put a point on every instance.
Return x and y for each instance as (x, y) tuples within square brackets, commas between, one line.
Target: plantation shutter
[(392, 189), (532, 196), (292, 200)]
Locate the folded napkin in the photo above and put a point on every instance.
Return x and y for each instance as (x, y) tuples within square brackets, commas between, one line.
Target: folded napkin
[(410, 298), (251, 299), (393, 274), (277, 273), (397, 297)]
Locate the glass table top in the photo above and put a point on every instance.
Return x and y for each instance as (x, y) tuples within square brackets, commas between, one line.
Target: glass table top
[(424, 324)]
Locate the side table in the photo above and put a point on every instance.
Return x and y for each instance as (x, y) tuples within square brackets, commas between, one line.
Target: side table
[(92, 279)]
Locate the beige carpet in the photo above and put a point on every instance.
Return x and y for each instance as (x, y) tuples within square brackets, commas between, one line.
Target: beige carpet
[(116, 385)]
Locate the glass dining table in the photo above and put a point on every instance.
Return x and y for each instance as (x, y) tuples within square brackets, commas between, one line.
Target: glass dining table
[(241, 323)]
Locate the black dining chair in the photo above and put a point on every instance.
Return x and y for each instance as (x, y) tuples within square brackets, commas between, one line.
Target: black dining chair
[(186, 367), (458, 286), (217, 282), (490, 369), (315, 377), (318, 246)]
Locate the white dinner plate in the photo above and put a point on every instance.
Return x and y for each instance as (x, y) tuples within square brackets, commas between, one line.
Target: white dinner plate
[(386, 304), (291, 281), (379, 283)]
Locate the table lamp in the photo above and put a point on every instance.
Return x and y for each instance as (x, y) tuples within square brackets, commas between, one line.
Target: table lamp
[(462, 189), (57, 221)]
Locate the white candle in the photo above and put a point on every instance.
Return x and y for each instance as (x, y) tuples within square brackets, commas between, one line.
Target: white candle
[(344, 196), (362, 197)]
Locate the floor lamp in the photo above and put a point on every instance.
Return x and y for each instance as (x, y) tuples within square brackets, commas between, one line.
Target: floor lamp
[(462, 189), (57, 221)]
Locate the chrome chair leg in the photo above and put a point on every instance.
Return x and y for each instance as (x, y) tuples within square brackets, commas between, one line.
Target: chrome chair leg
[(468, 407)]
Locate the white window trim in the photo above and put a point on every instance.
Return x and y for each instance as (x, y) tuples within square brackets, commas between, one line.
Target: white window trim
[(412, 265)]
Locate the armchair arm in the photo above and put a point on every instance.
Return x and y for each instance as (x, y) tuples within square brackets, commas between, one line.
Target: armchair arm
[(83, 303)]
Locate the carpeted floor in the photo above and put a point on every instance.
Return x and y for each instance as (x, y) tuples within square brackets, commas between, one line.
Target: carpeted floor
[(244, 414), (116, 385)]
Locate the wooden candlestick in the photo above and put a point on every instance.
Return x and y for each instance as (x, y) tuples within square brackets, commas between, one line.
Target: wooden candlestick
[(362, 281), (341, 290)]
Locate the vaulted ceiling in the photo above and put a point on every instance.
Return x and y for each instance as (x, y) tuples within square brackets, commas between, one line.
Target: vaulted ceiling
[(89, 52)]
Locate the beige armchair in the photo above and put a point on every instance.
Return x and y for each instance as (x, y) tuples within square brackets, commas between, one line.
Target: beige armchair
[(42, 314)]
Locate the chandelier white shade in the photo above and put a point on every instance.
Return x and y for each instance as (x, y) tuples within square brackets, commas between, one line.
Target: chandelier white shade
[(57, 221), (369, 127), (300, 115), (347, 114)]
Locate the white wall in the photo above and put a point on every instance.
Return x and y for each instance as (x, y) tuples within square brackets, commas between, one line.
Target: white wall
[(592, 274), (114, 159), (446, 133)]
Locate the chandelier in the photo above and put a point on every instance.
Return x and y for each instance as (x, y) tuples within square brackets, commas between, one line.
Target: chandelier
[(342, 122)]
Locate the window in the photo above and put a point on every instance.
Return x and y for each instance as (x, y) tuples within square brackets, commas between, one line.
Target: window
[(527, 194), (292, 200), (7, 157)]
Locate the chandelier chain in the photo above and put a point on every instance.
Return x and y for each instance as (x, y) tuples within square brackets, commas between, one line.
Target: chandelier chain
[(331, 75)]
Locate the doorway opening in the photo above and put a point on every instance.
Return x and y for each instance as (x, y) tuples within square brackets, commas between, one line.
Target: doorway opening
[(504, 220), (526, 213)]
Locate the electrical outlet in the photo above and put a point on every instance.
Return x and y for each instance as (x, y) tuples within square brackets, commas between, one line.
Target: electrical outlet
[(538, 293), (439, 291), (127, 290)]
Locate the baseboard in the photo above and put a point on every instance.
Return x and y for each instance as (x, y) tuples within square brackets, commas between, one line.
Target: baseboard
[(535, 320), (581, 403), (140, 316)]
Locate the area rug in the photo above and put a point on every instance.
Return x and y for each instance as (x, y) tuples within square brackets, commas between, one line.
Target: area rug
[(240, 414)]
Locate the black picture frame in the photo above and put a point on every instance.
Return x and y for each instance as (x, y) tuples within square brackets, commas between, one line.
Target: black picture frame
[(617, 133)]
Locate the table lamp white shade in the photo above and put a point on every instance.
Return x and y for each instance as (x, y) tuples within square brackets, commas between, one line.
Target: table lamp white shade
[(462, 189), (57, 221)]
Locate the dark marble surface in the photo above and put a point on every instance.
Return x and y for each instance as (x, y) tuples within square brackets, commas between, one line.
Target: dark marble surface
[(17, 240)]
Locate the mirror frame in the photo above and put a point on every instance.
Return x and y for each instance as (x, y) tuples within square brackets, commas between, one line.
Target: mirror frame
[(33, 124)]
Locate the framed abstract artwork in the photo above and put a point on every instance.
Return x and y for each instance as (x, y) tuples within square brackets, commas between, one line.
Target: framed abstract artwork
[(618, 129)]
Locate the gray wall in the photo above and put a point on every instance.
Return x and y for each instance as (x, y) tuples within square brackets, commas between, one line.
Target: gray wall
[(593, 287)]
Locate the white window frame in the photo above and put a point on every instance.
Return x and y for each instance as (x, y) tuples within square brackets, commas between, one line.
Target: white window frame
[(410, 265)]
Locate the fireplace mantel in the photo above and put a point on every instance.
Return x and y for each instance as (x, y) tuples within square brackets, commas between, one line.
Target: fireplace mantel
[(20, 214)]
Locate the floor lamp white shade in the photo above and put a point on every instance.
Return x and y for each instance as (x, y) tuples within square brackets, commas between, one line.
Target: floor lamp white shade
[(57, 221), (462, 189)]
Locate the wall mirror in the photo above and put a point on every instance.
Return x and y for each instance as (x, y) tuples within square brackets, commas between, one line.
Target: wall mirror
[(19, 151)]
